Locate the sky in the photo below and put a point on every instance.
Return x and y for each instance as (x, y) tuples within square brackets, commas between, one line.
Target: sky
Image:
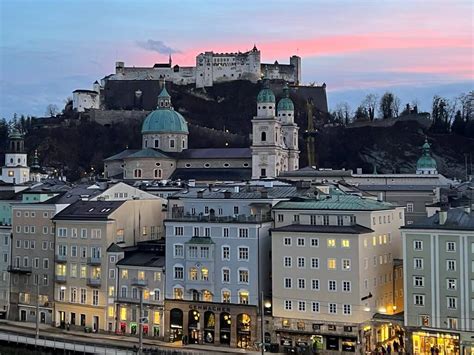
[(413, 48)]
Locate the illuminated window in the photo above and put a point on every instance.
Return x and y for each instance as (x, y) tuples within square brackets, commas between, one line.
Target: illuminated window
[(11, 173), (346, 243), (243, 297), (226, 296), (141, 275), (111, 311), (123, 313), (124, 274), (331, 243), (193, 274), (204, 274), (111, 291), (331, 264), (178, 293), (156, 317), (206, 296), (374, 241)]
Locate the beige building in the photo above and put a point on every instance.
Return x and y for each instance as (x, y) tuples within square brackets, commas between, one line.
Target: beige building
[(439, 285), (332, 269), (84, 232)]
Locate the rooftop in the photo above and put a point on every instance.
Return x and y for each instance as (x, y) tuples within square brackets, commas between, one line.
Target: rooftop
[(89, 210), (212, 174), (142, 258), (335, 202), (223, 219), (457, 219), (226, 153)]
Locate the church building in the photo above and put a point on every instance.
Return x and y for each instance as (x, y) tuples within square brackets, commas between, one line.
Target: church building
[(165, 154)]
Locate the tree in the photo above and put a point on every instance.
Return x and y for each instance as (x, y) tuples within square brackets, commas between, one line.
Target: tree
[(389, 105), (361, 114), (370, 103), (459, 124), (440, 115), (342, 113), (52, 110)]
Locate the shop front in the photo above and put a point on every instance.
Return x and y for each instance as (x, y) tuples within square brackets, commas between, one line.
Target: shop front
[(425, 342), (210, 323)]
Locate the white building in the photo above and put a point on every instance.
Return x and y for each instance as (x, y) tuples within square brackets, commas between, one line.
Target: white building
[(83, 100), (438, 255), (332, 269), (16, 170), (274, 137)]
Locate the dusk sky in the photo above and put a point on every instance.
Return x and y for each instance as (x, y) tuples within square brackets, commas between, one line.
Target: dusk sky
[(414, 48)]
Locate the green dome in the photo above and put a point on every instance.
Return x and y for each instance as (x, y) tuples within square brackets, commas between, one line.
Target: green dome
[(164, 121), (285, 104), (266, 95), (426, 161), (15, 134)]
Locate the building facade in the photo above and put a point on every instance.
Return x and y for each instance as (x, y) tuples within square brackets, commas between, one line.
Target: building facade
[(84, 231), (438, 265), (332, 270)]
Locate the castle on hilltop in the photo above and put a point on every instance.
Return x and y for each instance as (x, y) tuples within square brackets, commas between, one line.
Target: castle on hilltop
[(210, 68)]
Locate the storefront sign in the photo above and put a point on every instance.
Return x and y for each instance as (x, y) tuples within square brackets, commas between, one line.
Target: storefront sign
[(201, 307)]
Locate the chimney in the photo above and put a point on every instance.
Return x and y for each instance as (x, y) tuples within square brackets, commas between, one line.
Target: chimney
[(210, 186), (380, 197), (443, 216), (200, 194), (264, 193)]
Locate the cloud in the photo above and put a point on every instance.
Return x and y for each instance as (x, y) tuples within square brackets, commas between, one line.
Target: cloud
[(157, 46)]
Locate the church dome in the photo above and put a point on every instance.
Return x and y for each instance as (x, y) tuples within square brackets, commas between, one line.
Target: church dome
[(164, 119), (285, 104), (266, 94), (426, 161)]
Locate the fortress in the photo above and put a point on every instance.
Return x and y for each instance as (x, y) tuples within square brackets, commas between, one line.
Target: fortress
[(210, 68)]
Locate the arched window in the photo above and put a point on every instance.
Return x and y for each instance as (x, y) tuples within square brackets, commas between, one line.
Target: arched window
[(263, 136), (137, 173), (157, 143)]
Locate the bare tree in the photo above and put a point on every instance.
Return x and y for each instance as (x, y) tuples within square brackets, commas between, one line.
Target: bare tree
[(342, 113), (370, 103), (52, 110), (396, 106)]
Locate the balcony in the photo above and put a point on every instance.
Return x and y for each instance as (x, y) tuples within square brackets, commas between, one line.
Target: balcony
[(139, 283), (19, 269), (60, 259), (60, 279), (93, 282), (94, 260)]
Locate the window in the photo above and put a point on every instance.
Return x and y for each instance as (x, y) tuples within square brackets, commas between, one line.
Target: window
[(418, 263), (419, 300), (193, 252), (313, 220), (418, 245), (243, 297), (44, 245), (95, 233), (410, 207), (326, 220), (450, 246), (263, 136), (452, 323), (301, 242), (62, 232), (346, 286), (83, 233), (301, 262), (243, 253), (346, 243), (346, 264), (296, 218), (288, 305), (178, 272), (225, 232), (315, 242), (287, 241), (83, 295), (347, 309), (225, 296), (226, 275), (236, 209), (193, 274), (331, 264), (340, 220), (178, 293), (287, 261), (243, 233), (179, 251), (451, 284), (315, 307), (418, 281), (331, 243), (451, 265), (315, 284), (111, 273), (452, 302), (73, 232), (204, 252), (301, 284), (225, 253), (45, 263), (332, 285), (280, 217), (83, 271), (315, 263), (288, 282), (244, 276), (332, 308), (95, 297), (171, 143), (302, 306), (73, 294)]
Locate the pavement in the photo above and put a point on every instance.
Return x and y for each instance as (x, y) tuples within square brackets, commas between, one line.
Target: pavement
[(111, 340)]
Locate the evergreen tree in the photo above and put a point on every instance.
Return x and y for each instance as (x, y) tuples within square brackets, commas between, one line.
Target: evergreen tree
[(459, 124)]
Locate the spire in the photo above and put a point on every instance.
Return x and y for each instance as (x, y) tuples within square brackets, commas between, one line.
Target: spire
[(164, 99), (36, 164), (286, 91)]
